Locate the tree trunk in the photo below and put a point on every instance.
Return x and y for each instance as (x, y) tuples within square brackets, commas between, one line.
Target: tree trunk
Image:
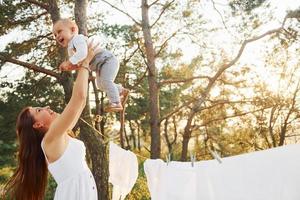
[(187, 136), (122, 128), (99, 154), (98, 107), (103, 121), (127, 139), (132, 134), (139, 136), (80, 15), (169, 145), (53, 10), (283, 129), (152, 81), (271, 131)]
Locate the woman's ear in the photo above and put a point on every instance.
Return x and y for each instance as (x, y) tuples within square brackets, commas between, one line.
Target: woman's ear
[(37, 125)]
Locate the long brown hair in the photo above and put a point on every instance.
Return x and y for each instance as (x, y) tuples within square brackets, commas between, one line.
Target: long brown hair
[(29, 180)]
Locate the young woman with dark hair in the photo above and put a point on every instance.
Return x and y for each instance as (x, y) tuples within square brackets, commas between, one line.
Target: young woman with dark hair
[(44, 144)]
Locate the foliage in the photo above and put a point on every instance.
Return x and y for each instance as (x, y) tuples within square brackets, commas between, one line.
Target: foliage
[(245, 5), (140, 190)]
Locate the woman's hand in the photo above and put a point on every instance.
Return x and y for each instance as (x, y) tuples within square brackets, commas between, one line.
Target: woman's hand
[(67, 66)]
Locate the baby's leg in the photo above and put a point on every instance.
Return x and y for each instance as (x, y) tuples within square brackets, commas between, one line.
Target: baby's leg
[(108, 73)]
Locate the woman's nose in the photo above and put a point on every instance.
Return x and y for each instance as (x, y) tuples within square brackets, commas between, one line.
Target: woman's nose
[(47, 107)]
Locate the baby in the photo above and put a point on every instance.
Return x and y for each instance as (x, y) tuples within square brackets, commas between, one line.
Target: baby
[(104, 63)]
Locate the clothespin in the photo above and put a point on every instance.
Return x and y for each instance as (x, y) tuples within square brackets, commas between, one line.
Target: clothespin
[(215, 155), (168, 158), (193, 159), (98, 118)]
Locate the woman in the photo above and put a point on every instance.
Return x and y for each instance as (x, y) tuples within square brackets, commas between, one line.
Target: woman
[(44, 143)]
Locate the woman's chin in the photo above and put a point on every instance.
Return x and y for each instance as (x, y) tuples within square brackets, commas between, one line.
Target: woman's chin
[(55, 115)]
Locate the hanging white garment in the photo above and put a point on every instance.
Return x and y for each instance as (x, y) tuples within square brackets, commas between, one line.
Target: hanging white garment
[(176, 181), (123, 171), (272, 174)]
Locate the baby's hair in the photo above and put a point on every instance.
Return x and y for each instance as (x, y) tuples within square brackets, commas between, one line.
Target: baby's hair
[(67, 21)]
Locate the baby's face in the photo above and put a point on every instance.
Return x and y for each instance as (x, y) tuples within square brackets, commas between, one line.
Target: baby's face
[(63, 33)]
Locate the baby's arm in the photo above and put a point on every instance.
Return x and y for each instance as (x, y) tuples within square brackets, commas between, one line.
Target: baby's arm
[(81, 47)]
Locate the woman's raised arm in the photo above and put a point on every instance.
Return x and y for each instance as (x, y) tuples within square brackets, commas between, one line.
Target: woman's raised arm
[(68, 118)]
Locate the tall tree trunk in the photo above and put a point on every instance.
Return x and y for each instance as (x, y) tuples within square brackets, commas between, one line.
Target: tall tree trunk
[(80, 15), (186, 136), (127, 139), (132, 134), (270, 127), (138, 135), (122, 133), (169, 145), (53, 10), (98, 152), (103, 121), (94, 142), (152, 81), (167, 136), (283, 129), (98, 107)]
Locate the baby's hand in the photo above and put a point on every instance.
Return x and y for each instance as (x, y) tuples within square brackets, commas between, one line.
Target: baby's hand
[(67, 66)]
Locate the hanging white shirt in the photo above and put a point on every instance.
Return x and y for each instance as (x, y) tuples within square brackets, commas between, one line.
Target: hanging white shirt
[(176, 181), (272, 174), (123, 171)]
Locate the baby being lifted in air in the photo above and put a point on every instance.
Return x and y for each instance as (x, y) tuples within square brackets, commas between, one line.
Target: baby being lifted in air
[(104, 63)]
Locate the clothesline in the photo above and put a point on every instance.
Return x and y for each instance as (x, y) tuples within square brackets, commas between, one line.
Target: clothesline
[(213, 153), (108, 138)]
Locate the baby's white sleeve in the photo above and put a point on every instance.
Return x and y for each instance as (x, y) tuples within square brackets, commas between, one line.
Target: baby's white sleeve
[(80, 45)]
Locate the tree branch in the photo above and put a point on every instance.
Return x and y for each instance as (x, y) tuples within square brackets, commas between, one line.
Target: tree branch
[(165, 7), (28, 19), (165, 42), (29, 66), (215, 103), (231, 63), (143, 55), (176, 110), (139, 80), (229, 116), (126, 60), (214, 5), (169, 81), (153, 3), (40, 4), (295, 135), (122, 11)]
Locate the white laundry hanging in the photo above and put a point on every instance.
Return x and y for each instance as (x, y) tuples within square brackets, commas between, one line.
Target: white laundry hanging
[(123, 171), (175, 181), (272, 174)]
